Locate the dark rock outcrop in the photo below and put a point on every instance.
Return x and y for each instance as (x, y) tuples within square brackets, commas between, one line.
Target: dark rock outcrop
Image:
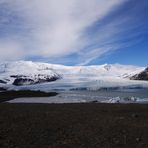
[(37, 79), (3, 82), (17, 76), (23, 81), (141, 76)]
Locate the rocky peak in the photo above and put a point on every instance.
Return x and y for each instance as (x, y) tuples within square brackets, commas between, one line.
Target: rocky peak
[(141, 76)]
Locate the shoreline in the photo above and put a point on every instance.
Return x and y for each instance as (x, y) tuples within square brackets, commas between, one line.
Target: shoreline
[(37, 96)]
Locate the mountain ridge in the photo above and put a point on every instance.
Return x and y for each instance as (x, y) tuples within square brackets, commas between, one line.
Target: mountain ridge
[(28, 72)]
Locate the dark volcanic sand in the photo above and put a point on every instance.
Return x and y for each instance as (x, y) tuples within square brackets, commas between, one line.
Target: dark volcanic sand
[(73, 125), (9, 95)]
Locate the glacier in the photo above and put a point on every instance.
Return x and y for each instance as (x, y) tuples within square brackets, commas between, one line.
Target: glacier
[(69, 80)]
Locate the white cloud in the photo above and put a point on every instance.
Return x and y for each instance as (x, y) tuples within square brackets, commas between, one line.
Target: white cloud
[(56, 27), (10, 50)]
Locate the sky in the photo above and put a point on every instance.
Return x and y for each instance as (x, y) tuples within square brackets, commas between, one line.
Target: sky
[(75, 32)]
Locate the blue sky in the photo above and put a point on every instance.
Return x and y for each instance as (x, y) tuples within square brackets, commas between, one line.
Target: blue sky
[(74, 32)]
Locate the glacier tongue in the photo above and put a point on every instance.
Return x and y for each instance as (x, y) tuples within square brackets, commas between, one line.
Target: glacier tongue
[(98, 83)]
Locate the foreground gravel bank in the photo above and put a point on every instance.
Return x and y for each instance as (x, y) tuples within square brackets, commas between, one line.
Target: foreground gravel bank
[(73, 125)]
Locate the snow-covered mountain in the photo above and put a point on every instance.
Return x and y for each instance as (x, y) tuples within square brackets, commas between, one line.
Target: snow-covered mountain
[(141, 76), (107, 83), (27, 73)]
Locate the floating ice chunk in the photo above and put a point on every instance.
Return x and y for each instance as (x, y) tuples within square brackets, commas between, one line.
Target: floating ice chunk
[(125, 100), (114, 100)]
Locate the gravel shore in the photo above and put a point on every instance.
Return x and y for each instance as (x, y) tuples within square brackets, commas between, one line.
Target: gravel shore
[(90, 125)]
